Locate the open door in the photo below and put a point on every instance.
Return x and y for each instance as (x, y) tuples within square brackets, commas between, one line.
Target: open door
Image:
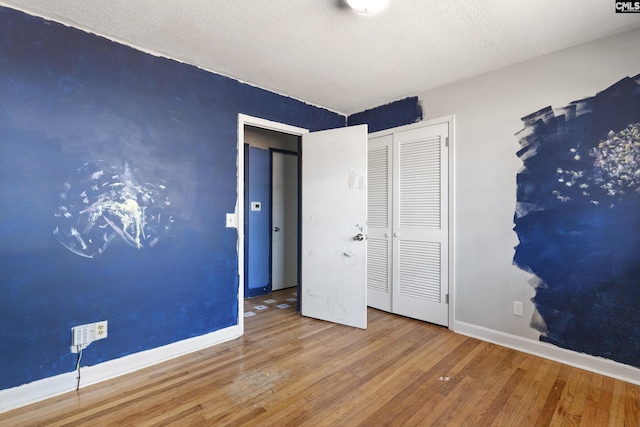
[(333, 230), (284, 220)]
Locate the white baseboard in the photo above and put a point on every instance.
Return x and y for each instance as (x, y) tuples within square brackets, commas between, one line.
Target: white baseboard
[(16, 397), (36, 391), (598, 365)]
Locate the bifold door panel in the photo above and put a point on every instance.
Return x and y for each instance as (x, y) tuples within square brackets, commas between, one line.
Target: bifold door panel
[(411, 278)]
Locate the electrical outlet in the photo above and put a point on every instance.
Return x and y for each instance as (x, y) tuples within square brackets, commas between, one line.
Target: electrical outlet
[(518, 309), (83, 335), (100, 330)]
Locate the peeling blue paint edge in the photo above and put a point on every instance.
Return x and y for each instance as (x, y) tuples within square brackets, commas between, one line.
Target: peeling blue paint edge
[(398, 113)]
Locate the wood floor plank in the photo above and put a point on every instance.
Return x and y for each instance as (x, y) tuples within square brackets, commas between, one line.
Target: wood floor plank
[(632, 405), (292, 370), (516, 405), (551, 403), (578, 385), (618, 404), (499, 401), (566, 398), (540, 389), (446, 412), (402, 405), (603, 404), (592, 396)]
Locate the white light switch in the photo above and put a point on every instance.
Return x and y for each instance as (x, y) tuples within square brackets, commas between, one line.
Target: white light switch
[(231, 220)]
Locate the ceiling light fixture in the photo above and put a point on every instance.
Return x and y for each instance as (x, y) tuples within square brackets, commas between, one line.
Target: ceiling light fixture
[(368, 6)]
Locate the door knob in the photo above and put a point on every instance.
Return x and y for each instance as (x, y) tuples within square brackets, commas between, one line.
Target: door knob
[(276, 229), (358, 237), (396, 234)]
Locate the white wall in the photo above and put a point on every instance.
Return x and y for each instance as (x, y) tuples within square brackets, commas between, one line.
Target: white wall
[(487, 112)]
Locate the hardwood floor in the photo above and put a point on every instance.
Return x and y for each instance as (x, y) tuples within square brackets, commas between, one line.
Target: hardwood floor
[(289, 370)]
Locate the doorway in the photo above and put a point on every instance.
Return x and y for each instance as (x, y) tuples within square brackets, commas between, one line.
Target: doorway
[(332, 174), (271, 210), (263, 135)]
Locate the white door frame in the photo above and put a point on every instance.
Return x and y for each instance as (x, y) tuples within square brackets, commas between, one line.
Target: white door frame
[(450, 119), (243, 120)]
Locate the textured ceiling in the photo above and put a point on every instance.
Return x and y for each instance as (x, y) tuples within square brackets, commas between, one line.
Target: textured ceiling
[(324, 54)]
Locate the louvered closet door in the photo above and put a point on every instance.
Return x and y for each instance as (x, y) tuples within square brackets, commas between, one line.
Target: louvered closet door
[(420, 224), (379, 210)]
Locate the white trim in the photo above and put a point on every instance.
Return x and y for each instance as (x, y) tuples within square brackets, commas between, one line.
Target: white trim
[(46, 388), (243, 120), (598, 365), (452, 224), (268, 124), (417, 125)]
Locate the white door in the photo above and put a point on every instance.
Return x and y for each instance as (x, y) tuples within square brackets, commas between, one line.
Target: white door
[(334, 216), (284, 220), (379, 208), (420, 224)]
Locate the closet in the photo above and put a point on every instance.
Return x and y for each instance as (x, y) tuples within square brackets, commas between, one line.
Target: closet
[(408, 217)]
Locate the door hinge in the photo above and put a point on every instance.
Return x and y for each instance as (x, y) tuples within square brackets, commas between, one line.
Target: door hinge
[(446, 141), (446, 299)]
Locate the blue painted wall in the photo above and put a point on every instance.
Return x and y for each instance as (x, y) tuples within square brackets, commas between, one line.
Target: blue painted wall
[(135, 153), (578, 221), (259, 222), (394, 114)]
